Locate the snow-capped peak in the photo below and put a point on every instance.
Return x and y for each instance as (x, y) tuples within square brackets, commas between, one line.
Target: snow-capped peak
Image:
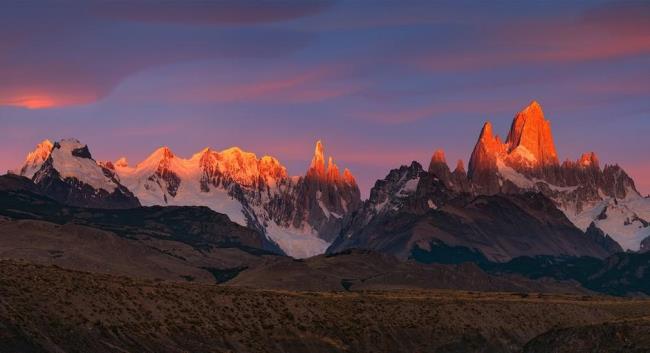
[(35, 159), (161, 153), (72, 159)]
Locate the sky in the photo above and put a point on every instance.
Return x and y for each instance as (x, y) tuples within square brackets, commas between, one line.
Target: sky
[(380, 82)]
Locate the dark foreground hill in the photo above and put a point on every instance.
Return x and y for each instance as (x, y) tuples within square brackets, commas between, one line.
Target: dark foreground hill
[(49, 309), (173, 243), (355, 270), (628, 336), (622, 274), (198, 244)]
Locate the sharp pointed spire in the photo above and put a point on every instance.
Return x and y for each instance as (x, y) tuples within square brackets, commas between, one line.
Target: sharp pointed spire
[(317, 166)]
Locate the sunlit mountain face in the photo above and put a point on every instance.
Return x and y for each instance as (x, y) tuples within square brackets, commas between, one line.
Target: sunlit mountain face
[(307, 214), (324, 176), (380, 82)]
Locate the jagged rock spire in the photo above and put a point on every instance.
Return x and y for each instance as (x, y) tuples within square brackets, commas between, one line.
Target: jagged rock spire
[(487, 148), (439, 157), (348, 177), (439, 167), (317, 167), (333, 173), (589, 160), (482, 169), (530, 136), (460, 167)]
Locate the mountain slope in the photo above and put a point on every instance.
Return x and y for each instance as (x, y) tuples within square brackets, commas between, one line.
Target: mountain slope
[(356, 270), (621, 336), (412, 214), (156, 242), (622, 274)]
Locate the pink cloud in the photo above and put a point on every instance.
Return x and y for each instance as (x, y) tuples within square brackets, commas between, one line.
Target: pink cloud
[(601, 34), (46, 65)]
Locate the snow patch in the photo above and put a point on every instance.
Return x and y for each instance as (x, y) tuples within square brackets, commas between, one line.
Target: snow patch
[(524, 153), (326, 211), (409, 187), (512, 175), (189, 192), (85, 170), (297, 243), (619, 219)]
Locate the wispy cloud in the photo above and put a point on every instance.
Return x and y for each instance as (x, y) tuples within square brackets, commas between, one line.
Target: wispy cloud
[(603, 33), (45, 65)]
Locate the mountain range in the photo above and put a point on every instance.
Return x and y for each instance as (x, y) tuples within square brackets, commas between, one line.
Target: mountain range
[(515, 199), (301, 214)]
